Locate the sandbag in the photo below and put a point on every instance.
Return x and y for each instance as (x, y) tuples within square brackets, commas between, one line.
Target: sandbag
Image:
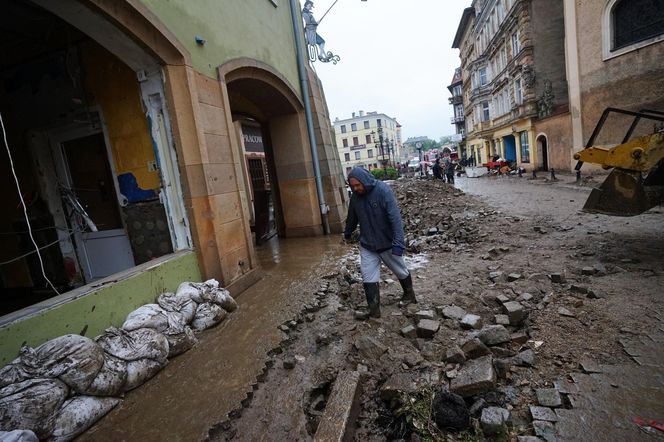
[(207, 315), (18, 436), (182, 304), (138, 372), (73, 359), (223, 298), (208, 291), (12, 373), (110, 380), (31, 405), (143, 343), (78, 414), (147, 316), (180, 342)]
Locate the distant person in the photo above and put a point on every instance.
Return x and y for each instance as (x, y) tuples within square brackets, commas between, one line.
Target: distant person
[(375, 208), (437, 170), (449, 172), (471, 161)]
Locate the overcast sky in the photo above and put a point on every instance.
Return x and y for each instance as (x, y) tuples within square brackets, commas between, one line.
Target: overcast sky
[(396, 58)]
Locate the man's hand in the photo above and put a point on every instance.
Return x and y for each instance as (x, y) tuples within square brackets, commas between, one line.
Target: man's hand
[(396, 250)]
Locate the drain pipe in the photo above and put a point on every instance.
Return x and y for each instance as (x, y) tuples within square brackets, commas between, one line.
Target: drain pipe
[(304, 86)]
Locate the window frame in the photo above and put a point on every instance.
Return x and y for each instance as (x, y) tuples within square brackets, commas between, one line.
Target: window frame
[(525, 147), (358, 155), (343, 128), (608, 32), (347, 156), (353, 127), (344, 141), (367, 125)]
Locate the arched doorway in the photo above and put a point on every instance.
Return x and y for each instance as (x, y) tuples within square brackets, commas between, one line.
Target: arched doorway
[(543, 152)]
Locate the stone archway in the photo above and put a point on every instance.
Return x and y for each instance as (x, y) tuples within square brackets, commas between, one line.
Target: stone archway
[(543, 152)]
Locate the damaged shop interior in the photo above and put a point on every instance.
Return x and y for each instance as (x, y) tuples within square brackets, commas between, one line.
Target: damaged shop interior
[(88, 139)]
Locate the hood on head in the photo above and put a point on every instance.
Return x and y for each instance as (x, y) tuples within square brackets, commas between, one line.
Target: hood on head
[(363, 176)]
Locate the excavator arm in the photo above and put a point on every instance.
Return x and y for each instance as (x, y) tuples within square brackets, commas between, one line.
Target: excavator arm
[(636, 182)]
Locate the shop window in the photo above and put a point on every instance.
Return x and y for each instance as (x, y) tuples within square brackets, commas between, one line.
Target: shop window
[(525, 147)]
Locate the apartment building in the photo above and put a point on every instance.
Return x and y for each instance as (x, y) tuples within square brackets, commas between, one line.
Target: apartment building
[(459, 119), (513, 76), (368, 140)]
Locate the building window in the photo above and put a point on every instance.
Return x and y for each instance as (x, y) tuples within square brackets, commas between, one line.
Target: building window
[(483, 77), (525, 147), (370, 153), (516, 45), (348, 169), (366, 125), (353, 127), (356, 141), (486, 115), (345, 142), (367, 139), (346, 157), (343, 128), (379, 123), (634, 21), (518, 92), (358, 155)]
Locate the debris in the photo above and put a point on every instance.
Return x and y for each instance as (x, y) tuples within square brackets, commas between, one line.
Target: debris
[(409, 331), (425, 314), (543, 414), (453, 312), (474, 348), (450, 411), (426, 328), (476, 377), (562, 311), (545, 430), (557, 278), (396, 385), (515, 312), (548, 397), (493, 420), (513, 277), (502, 319), (493, 335), (455, 355), (471, 322), (369, 347)]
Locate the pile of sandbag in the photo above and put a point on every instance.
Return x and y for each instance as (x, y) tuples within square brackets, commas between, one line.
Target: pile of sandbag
[(61, 388)]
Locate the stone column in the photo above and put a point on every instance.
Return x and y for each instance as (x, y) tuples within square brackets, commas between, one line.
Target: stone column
[(517, 142)]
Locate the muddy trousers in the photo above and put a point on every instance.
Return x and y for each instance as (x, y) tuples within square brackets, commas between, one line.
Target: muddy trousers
[(370, 265)]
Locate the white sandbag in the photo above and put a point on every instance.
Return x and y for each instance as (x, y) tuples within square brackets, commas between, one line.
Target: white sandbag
[(198, 291), (78, 414), (18, 436), (111, 378), (180, 342), (12, 373), (207, 315), (147, 316), (73, 359), (223, 298), (138, 372), (31, 405), (182, 304), (143, 343)]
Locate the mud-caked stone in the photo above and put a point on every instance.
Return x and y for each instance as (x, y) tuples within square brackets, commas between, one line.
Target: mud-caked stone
[(548, 397), (471, 322), (425, 314), (543, 414), (396, 385), (562, 311), (432, 351), (455, 355), (588, 271), (557, 278), (501, 352), (493, 335), (493, 420), (474, 348), (513, 277), (515, 311), (476, 377), (578, 288), (450, 411), (426, 328), (525, 297), (524, 359), (545, 430), (502, 367), (409, 331), (494, 276), (477, 406), (369, 347), (502, 319), (453, 312), (289, 363), (503, 298), (519, 338)]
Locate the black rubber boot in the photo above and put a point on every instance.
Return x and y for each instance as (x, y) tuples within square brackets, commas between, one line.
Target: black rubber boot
[(372, 292), (408, 292)]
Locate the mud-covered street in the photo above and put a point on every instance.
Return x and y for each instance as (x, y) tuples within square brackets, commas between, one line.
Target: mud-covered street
[(526, 301), (578, 297)]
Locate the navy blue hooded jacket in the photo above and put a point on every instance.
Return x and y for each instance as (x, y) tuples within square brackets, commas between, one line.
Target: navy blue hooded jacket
[(377, 213)]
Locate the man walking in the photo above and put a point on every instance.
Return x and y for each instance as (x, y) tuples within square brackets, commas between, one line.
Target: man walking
[(374, 207)]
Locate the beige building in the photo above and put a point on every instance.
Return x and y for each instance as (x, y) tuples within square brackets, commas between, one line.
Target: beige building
[(368, 140), (513, 70)]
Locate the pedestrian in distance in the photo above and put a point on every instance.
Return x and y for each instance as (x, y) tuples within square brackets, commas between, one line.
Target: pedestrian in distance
[(437, 170), (374, 207), (451, 167)]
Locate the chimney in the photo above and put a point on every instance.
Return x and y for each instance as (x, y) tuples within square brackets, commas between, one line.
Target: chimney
[(353, 114), (361, 113)]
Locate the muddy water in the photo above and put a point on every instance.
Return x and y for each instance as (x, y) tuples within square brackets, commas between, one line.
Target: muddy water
[(199, 388)]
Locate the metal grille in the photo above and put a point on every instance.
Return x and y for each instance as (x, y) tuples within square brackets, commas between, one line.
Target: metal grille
[(637, 20), (257, 173)]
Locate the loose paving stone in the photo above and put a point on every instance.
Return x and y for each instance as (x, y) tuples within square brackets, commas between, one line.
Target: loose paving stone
[(548, 397), (455, 355), (493, 276), (471, 322), (513, 277), (493, 420), (396, 385), (525, 358), (589, 366), (545, 430), (453, 312), (588, 271), (493, 335), (369, 347), (337, 420), (409, 331), (425, 314), (557, 278), (426, 328), (502, 320), (578, 288), (502, 367), (543, 414), (289, 363), (284, 328), (474, 348), (519, 338), (525, 297), (476, 377), (501, 352), (515, 312), (477, 406), (592, 294), (389, 281), (562, 311), (503, 299)]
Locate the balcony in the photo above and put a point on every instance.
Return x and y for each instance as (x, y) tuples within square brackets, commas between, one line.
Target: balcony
[(457, 120), (358, 147), (457, 99)]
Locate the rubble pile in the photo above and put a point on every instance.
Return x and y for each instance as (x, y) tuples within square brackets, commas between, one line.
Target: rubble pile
[(61, 388)]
